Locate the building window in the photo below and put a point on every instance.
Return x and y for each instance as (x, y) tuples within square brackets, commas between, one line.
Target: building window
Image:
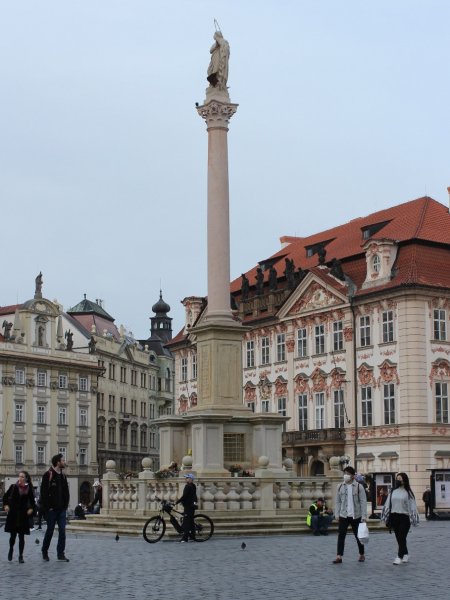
[(194, 365), (19, 414), (62, 415), (152, 411), (123, 375), (250, 354), (101, 400), (152, 440), (376, 263), (319, 338), (83, 384), (338, 336), (364, 330), (251, 405), (82, 457), (184, 369), (40, 455), (144, 410), (302, 343), (83, 417), (143, 380), (389, 403), (234, 447), (388, 326), (18, 451), (134, 407), (20, 376), (366, 406), (303, 412), (63, 450), (41, 415), (440, 324), (133, 377), (319, 410), (265, 351), (143, 438), (112, 371), (134, 438), (123, 436), (441, 402), (123, 405), (42, 379), (265, 406), (112, 403), (112, 433), (101, 432), (282, 406), (339, 410), (62, 382), (281, 347)]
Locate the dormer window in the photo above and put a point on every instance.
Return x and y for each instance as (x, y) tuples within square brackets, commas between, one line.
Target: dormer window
[(376, 263), (371, 230), (316, 248)]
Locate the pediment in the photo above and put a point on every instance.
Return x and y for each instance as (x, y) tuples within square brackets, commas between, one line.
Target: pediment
[(312, 295)]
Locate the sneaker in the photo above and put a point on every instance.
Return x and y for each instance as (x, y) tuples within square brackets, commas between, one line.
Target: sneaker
[(337, 560), (45, 556), (362, 558), (405, 558), (63, 558), (397, 561)]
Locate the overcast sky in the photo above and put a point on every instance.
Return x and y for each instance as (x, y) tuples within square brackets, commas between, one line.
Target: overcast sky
[(343, 110)]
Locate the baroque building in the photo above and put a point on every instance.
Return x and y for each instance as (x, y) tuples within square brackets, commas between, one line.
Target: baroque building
[(349, 337), (47, 395)]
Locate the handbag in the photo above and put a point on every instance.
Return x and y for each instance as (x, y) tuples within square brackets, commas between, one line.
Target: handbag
[(363, 533), (386, 515)]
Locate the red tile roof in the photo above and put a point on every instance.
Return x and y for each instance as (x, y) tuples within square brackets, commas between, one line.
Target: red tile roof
[(421, 219), (8, 310)]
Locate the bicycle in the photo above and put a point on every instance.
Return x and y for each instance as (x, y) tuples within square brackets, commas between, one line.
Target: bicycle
[(155, 527)]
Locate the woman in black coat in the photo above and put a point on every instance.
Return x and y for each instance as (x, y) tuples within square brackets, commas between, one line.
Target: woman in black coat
[(19, 504)]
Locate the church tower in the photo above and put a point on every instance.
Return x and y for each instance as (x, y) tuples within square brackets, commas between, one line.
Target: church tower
[(161, 324)]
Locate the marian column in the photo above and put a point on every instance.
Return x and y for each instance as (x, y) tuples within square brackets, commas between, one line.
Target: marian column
[(217, 112)]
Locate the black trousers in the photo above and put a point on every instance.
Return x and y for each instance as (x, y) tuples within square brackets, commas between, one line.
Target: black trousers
[(188, 523), (401, 525), (344, 522)]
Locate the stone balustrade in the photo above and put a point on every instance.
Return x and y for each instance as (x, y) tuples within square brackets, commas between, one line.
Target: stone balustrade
[(263, 494)]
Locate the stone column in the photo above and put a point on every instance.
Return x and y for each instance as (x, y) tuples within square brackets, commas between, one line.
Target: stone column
[(217, 115)]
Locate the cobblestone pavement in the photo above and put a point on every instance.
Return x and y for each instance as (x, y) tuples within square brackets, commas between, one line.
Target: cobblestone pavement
[(281, 567)]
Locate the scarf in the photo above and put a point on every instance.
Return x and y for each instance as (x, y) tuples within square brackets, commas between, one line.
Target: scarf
[(23, 489)]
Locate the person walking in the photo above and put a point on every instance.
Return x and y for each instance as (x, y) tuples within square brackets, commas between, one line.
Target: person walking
[(54, 503), (19, 505), (189, 502), (426, 497), (350, 509), (401, 509)]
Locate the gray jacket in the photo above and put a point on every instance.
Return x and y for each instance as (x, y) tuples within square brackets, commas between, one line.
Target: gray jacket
[(359, 501)]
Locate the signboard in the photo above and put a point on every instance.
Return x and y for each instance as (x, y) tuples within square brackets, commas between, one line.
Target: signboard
[(442, 490), (383, 486)]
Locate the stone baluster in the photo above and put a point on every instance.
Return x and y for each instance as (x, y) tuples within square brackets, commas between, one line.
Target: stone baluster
[(282, 495), (294, 496), (207, 497), (256, 495), (246, 497), (233, 499), (142, 486), (219, 497), (109, 476)]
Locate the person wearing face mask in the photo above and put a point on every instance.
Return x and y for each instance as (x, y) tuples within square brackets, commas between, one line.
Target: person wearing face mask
[(350, 509), (402, 509)]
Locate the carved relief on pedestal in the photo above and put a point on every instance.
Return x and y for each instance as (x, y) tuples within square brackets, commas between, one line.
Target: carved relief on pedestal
[(440, 370), (388, 373)]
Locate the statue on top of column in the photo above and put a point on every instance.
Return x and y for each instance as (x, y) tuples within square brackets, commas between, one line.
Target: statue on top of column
[(218, 66), (38, 289)]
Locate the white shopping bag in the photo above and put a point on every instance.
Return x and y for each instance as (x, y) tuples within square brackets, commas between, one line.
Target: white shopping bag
[(363, 533)]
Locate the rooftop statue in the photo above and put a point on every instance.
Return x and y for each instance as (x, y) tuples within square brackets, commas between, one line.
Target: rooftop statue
[(218, 66)]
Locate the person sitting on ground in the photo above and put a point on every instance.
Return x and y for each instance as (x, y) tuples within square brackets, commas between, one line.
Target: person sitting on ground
[(319, 517), (80, 511)]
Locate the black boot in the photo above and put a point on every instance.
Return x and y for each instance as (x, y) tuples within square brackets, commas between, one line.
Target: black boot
[(21, 559), (10, 553)]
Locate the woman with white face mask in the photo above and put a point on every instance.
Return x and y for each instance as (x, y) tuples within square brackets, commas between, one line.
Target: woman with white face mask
[(350, 509), (401, 509)]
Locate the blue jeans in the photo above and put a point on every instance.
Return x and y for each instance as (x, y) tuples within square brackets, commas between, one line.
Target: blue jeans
[(55, 516), (321, 522)]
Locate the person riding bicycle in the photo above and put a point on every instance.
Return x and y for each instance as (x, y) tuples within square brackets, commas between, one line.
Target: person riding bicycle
[(189, 502)]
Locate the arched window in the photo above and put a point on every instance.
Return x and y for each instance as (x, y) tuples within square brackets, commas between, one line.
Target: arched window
[(376, 263)]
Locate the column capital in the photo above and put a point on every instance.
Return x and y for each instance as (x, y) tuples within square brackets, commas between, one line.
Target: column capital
[(217, 114)]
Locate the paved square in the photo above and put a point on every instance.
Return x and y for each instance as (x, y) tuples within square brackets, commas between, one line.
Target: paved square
[(290, 568)]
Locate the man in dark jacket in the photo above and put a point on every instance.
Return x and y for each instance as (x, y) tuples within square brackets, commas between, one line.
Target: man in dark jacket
[(189, 502), (54, 502)]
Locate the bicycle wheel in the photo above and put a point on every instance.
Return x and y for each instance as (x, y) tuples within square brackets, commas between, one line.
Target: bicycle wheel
[(154, 529), (204, 528)]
